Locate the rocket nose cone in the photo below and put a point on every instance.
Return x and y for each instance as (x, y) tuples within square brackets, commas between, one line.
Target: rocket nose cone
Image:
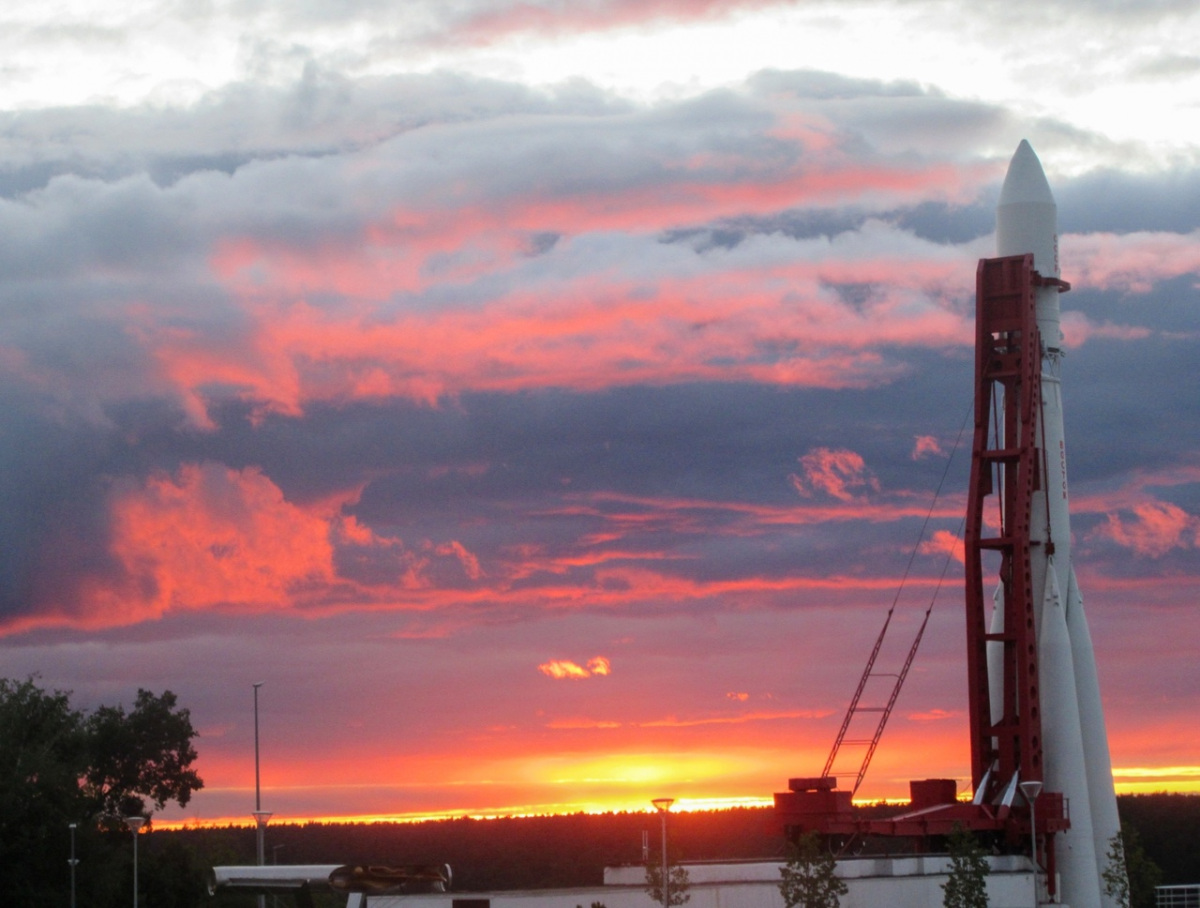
[(1025, 180), (1027, 218)]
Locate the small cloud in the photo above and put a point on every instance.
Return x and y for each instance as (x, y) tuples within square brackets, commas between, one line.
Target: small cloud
[(737, 695), (944, 543), (574, 724), (927, 446), (933, 715), (560, 669), (470, 564), (836, 473)]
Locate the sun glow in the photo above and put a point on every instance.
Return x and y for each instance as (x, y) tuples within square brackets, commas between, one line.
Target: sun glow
[(643, 771), (1157, 779), (625, 805)]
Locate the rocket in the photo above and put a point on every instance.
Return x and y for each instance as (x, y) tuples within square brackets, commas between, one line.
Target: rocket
[(1040, 766), (1076, 758)]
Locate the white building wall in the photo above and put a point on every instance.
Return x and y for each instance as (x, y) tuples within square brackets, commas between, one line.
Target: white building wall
[(910, 882)]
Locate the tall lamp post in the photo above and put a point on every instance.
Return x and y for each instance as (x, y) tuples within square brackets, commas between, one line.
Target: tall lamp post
[(134, 824), (1031, 790), (663, 805), (260, 816), (72, 862)]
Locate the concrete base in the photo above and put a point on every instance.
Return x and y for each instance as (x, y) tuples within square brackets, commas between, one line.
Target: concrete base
[(902, 882)]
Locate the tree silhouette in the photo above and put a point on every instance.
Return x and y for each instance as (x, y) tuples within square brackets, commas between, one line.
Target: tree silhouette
[(809, 878), (1129, 876), (60, 767), (677, 877), (967, 886)]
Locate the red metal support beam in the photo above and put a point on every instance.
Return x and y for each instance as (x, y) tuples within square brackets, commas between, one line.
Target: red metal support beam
[(1004, 475)]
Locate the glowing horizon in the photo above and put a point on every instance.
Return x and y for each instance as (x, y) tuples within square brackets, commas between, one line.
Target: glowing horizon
[(1186, 780)]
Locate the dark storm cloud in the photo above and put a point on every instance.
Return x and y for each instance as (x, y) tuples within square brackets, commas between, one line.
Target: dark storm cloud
[(1118, 202), (115, 248), (1135, 401)]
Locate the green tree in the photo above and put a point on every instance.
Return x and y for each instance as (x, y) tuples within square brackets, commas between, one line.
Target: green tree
[(42, 750), (1116, 880), (145, 754), (677, 877), (809, 878), (1129, 876), (967, 885), (59, 767)]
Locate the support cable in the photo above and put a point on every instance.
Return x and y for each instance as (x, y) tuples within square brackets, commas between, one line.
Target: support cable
[(886, 711)]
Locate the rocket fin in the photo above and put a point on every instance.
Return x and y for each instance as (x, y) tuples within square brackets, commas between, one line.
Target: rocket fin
[(1065, 767), (1097, 761)]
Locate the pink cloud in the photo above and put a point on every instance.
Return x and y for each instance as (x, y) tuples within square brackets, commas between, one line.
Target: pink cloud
[(590, 332), (1154, 529), (836, 473), (555, 18), (927, 445), (768, 312), (470, 563), (1078, 329), (944, 543), (1130, 262)]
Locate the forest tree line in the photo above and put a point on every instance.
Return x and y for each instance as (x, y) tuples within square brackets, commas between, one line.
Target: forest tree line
[(573, 850)]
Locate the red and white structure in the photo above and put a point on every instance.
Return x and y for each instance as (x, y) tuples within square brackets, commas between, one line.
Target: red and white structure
[(1041, 718), (1040, 768)]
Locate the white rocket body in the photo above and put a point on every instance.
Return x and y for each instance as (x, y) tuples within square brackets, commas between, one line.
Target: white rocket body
[(1075, 743)]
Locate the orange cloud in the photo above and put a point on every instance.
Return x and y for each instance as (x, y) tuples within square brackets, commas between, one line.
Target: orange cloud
[(563, 669), (674, 722), (211, 536), (933, 715)]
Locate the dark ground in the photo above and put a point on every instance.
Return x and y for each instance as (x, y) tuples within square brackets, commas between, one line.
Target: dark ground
[(568, 851)]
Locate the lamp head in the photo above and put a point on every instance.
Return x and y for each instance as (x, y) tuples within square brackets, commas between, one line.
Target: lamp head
[(1031, 790)]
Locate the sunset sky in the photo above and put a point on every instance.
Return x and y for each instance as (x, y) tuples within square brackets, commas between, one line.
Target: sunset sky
[(544, 398)]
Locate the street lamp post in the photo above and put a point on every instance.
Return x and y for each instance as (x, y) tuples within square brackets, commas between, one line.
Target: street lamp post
[(260, 816), (72, 862), (134, 824), (663, 805), (257, 782), (260, 822), (1031, 790)]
